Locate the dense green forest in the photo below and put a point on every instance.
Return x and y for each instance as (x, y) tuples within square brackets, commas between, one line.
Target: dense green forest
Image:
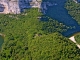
[(51, 26), (53, 47), (73, 9), (77, 37), (26, 37)]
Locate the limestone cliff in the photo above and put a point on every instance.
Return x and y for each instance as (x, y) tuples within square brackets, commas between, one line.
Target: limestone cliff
[(10, 6), (16, 6)]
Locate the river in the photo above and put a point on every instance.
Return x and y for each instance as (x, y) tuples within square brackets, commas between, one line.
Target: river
[(58, 12), (1, 41)]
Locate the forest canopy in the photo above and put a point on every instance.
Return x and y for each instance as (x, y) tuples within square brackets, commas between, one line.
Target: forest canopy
[(26, 39)]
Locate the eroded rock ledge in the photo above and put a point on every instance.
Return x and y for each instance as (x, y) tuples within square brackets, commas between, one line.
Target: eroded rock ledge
[(16, 6)]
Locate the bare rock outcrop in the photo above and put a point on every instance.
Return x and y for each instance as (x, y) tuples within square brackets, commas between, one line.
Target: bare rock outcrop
[(16, 6), (10, 6)]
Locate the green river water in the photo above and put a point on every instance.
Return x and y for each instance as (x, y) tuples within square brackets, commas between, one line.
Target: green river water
[(1, 41)]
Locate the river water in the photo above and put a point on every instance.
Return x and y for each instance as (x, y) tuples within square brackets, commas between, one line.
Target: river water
[(58, 12), (1, 41)]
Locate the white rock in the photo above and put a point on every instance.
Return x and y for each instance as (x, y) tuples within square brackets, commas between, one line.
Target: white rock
[(16, 6)]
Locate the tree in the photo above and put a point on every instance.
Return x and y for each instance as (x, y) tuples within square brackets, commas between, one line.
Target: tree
[(53, 47)]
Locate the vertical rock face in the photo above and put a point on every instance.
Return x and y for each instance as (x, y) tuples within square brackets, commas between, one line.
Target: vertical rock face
[(13, 6), (35, 3), (10, 6), (16, 6)]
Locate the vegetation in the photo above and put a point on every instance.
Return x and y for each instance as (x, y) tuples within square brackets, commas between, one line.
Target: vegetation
[(51, 26), (18, 30), (53, 47), (77, 37), (73, 9), (25, 38)]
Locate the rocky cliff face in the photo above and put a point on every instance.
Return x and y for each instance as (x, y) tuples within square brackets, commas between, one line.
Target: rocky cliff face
[(10, 6), (16, 6)]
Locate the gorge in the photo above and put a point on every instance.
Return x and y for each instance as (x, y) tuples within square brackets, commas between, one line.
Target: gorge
[(52, 8), (16, 6)]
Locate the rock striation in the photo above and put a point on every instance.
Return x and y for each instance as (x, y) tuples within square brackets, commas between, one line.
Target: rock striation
[(9, 6), (16, 6)]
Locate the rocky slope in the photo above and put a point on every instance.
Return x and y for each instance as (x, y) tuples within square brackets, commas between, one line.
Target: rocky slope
[(16, 6)]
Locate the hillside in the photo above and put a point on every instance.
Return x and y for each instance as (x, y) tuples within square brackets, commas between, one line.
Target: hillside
[(32, 35), (25, 39)]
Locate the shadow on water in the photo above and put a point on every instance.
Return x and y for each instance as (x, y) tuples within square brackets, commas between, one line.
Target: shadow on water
[(23, 4), (1, 41), (1, 8), (58, 12)]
